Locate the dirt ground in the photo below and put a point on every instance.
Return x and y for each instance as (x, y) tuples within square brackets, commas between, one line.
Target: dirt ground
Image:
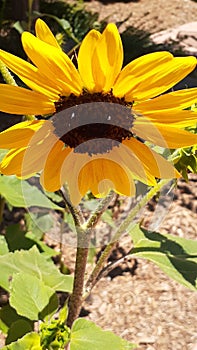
[(150, 15)]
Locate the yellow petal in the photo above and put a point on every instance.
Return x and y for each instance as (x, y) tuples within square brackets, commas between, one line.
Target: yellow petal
[(11, 163), (30, 75), (25, 161), (161, 79), (152, 161), (107, 59), (85, 59), (20, 134), (101, 175), (173, 118), (174, 100), (44, 33), (53, 63), (17, 100), (133, 73), (158, 79), (125, 155), (164, 135), (53, 176)]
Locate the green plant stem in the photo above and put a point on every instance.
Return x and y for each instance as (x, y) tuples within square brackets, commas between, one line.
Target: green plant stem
[(94, 218), (76, 213), (7, 76), (83, 242), (75, 302), (93, 278)]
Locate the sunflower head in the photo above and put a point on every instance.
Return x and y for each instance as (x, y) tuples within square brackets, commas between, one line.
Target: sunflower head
[(103, 120)]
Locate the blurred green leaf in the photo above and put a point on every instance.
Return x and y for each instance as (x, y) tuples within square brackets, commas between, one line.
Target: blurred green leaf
[(3, 245), (69, 220), (17, 25), (9, 316), (16, 238), (50, 308), (107, 217), (38, 223), (29, 295), (30, 341), (2, 153), (17, 330), (176, 256), (33, 263), (85, 335), (20, 193)]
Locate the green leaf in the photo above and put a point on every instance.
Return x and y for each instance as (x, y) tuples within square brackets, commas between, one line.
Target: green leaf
[(17, 25), (33, 263), (16, 238), (50, 309), (8, 316), (107, 217), (39, 223), (29, 295), (3, 245), (17, 330), (176, 256), (85, 335), (20, 193), (2, 153), (30, 341), (69, 220)]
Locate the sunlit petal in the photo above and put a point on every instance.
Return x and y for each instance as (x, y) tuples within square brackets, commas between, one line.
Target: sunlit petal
[(85, 60), (17, 100), (53, 63), (44, 33), (107, 59), (164, 136)]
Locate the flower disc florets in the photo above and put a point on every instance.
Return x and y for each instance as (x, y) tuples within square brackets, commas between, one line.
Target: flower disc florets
[(101, 118)]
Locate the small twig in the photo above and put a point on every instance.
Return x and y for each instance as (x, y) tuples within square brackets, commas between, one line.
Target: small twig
[(107, 269)]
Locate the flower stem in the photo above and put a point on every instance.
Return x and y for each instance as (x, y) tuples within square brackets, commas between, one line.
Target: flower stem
[(75, 302), (93, 278), (95, 216), (76, 214)]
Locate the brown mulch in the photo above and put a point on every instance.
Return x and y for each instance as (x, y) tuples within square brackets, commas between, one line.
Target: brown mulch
[(150, 15)]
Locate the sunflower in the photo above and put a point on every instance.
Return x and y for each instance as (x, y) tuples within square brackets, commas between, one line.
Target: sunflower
[(98, 114)]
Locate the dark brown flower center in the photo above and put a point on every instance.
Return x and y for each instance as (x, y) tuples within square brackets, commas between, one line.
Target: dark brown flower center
[(93, 123)]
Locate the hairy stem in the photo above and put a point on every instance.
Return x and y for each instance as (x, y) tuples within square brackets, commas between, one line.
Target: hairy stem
[(75, 302), (75, 212), (94, 218), (93, 278)]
